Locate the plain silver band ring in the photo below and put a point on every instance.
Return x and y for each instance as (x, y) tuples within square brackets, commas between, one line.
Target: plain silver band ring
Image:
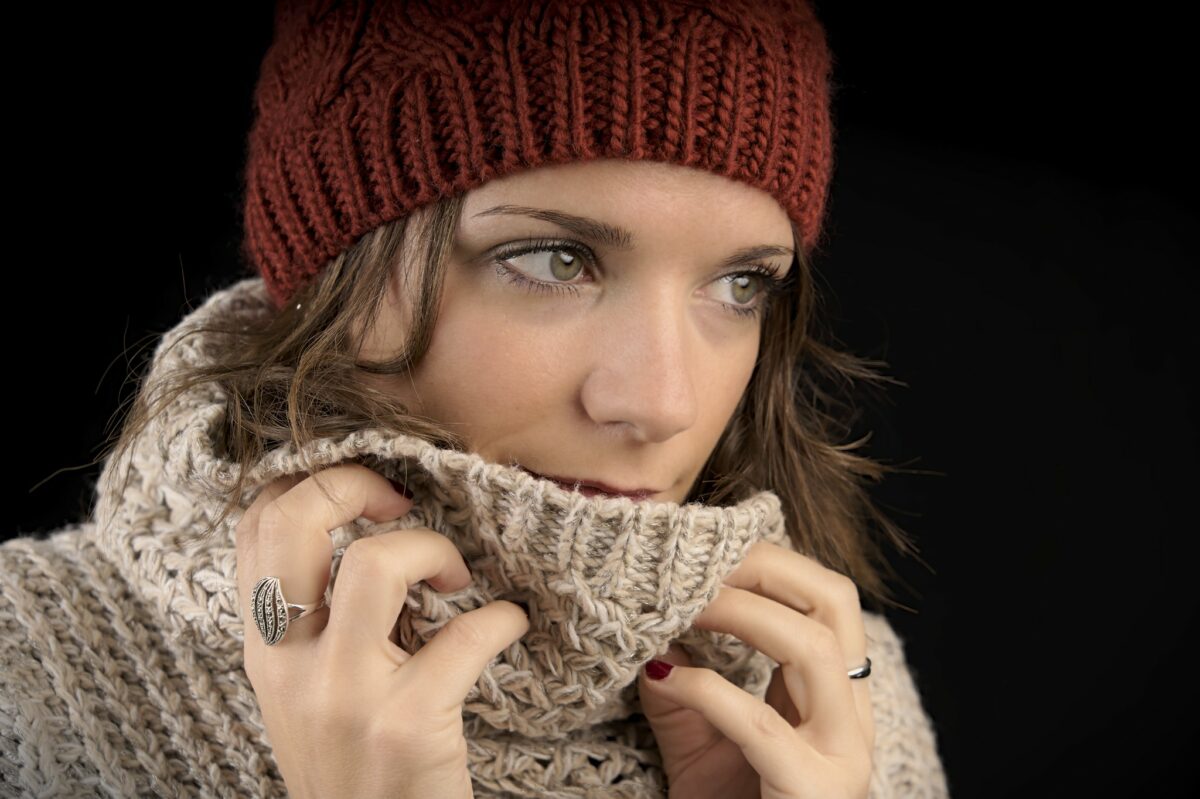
[(861, 671), (272, 613)]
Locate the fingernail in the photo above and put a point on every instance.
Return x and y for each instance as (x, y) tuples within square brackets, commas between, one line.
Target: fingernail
[(657, 669), (400, 488)]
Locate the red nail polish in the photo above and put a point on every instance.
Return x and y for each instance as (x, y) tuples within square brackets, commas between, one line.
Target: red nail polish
[(657, 669)]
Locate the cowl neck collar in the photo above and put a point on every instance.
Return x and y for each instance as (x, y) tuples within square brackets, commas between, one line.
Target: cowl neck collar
[(609, 581)]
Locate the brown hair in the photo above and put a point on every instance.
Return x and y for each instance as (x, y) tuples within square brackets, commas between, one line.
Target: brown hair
[(296, 377)]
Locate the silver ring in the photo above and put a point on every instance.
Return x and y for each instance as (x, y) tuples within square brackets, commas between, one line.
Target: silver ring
[(272, 613), (861, 671)]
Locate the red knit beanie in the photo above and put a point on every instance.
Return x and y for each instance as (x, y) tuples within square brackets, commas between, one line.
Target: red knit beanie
[(364, 111)]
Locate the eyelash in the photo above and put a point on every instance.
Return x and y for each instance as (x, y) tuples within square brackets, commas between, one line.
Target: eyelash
[(774, 284)]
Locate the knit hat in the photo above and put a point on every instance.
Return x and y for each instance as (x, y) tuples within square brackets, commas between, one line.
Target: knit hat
[(365, 111)]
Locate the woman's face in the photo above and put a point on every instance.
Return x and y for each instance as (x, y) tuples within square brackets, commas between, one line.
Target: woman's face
[(626, 366)]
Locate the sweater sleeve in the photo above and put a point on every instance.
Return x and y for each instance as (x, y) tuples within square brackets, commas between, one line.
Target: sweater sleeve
[(39, 752), (85, 699), (101, 696), (906, 761), (10, 763)]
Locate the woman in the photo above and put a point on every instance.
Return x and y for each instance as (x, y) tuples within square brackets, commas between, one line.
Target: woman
[(544, 268)]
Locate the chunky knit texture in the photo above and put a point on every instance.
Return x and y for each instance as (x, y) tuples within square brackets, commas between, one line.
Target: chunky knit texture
[(120, 641), (364, 111)]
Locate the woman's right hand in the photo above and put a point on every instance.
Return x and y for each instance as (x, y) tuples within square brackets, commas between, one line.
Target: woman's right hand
[(348, 712)]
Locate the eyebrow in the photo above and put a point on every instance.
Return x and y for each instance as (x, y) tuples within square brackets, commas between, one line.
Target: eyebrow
[(618, 238)]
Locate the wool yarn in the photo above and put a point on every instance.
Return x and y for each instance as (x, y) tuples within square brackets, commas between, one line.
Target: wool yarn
[(609, 582), (121, 637)]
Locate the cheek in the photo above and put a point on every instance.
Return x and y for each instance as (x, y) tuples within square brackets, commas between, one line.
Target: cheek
[(726, 385), (725, 378), (479, 364)]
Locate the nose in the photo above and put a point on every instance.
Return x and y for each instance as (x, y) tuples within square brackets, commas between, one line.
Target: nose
[(643, 374)]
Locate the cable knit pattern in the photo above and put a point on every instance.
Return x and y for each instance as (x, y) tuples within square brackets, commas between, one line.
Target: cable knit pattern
[(121, 669), (364, 111)]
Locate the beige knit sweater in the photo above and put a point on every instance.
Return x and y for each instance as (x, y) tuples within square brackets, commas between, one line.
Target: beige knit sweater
[(120, 641)]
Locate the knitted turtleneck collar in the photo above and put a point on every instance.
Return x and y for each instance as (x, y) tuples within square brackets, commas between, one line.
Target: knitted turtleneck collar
[(609, 582)]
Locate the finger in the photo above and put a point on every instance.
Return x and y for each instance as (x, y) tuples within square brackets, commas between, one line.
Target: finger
[(373, 580), (293, 533), (809, 656), (246, 533), (805, 585), (820, 593), (679, 731), (770, 744), (458, 653)]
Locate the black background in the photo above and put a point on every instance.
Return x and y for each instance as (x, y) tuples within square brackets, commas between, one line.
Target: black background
[(1006, 228)]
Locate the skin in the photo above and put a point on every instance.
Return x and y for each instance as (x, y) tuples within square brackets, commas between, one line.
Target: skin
[(631, 381)]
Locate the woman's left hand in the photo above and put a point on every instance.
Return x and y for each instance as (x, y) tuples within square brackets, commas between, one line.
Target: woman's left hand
[(814, 736)]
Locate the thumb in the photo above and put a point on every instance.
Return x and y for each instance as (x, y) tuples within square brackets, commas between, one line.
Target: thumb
[(680, 732), (655, 701)]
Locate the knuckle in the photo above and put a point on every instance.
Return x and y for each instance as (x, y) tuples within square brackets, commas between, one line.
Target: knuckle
[(466, 632), (766, 721), (363, 560), (823, 644), (844, 590), (250, 519), (274, 519)]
